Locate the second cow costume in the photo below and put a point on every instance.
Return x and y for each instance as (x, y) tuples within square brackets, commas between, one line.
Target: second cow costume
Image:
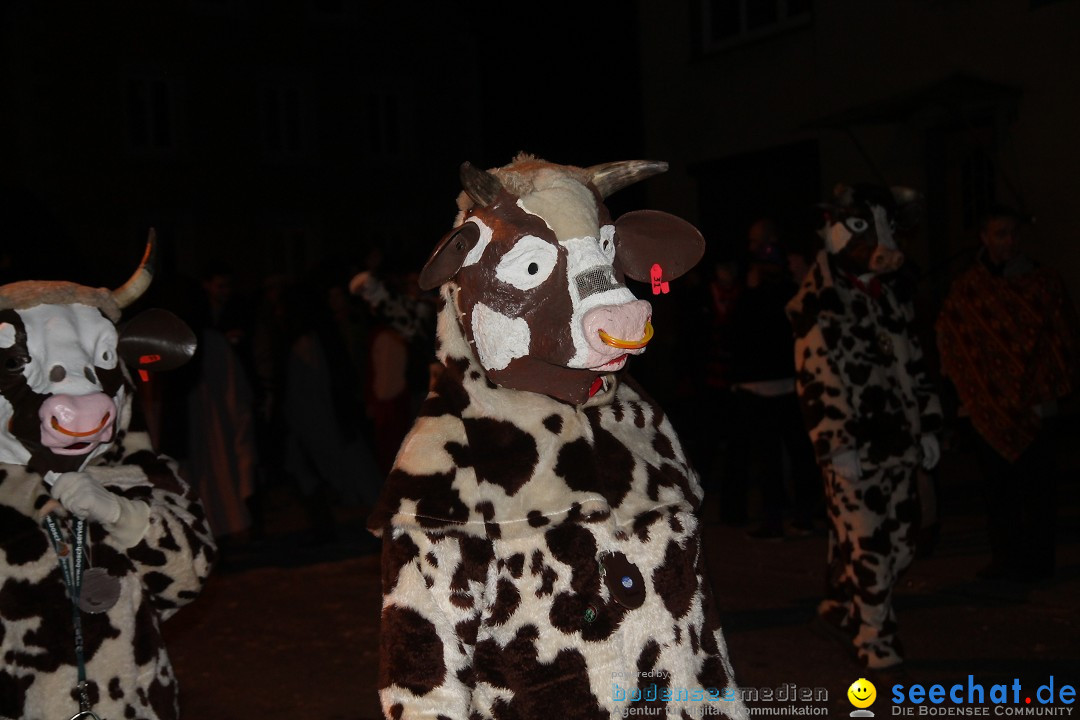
[(541, 552), (90, 513), (871, 411)]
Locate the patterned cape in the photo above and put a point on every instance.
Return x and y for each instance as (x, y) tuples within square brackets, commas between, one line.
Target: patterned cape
[(1008, 343)]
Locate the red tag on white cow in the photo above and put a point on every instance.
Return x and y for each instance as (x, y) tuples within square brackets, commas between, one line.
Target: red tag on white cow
[(655, 274)]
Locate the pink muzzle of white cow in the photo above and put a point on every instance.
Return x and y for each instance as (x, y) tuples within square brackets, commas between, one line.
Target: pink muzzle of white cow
[(615, 331), (76, 424)]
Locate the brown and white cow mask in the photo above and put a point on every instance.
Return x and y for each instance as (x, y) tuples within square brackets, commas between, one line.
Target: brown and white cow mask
[(63, 387), (537, 270), (861, 224)]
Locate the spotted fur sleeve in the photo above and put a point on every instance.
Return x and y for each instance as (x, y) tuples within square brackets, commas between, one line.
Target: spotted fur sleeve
[(433, 586), (822, 392), (175, 555)]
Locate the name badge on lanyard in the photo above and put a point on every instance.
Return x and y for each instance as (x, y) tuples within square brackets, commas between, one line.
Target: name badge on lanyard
[(102, 593)]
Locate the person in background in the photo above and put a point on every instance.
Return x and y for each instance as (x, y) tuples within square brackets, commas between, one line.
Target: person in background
[(871, 409), (1008, 339), (724, 289), (326, 452), (221, 455), (401, 354), (769, 425)]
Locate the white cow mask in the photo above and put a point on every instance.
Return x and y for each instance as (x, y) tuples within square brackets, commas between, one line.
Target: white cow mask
[(64, 390)]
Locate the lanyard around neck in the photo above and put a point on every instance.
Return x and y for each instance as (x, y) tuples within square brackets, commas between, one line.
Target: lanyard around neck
[(73, 576)]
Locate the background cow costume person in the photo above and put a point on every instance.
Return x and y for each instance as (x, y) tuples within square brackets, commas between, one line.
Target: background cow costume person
[(80, 489), (541, 553), (870, 408)]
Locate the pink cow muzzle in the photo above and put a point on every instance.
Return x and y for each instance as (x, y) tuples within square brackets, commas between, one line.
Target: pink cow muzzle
[(613, 332), (885, 259), (76, 424)]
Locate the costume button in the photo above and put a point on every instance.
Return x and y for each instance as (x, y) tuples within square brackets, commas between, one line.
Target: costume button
[(623, 580), (590, 614)]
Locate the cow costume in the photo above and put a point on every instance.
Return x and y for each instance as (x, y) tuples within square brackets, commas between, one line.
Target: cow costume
[(86, 503), (870, 408), (541, 552)]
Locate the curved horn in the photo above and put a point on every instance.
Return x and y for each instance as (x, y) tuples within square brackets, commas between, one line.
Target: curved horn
[(482, 187), (612, 176), (136, 285)]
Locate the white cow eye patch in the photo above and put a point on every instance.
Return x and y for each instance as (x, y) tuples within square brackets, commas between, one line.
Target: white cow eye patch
[(528, 263)]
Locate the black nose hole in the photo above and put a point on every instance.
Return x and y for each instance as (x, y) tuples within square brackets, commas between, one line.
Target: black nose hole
[(57, 373), (89, 373)]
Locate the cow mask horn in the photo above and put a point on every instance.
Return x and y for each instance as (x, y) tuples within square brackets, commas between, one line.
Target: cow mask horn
[(613, 176), (481, 187), (140, 280)]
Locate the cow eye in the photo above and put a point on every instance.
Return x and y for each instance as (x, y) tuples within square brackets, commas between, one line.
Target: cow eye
[(106, 356), (15, 363), (607, 242), (856, 224), (528, 263)]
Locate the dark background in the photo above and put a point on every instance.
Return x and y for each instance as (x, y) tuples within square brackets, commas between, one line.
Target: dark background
[(281, 137)]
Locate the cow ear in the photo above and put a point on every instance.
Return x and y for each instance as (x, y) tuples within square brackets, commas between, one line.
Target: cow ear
[(644, 238), (450, 253), (156, 340)]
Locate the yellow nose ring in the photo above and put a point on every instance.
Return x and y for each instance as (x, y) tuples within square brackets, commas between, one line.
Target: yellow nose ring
[(628, 344)]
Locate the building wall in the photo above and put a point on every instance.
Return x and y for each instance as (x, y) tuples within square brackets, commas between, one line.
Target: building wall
[(268, 135), (761, 94)]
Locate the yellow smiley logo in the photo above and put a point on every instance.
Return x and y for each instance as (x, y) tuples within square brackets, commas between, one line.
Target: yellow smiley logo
[(862, 693)]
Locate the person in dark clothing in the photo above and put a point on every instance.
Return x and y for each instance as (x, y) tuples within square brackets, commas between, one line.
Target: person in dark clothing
[(768, 423)]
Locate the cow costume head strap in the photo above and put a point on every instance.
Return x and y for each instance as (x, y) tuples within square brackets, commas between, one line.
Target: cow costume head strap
[(536, 268)]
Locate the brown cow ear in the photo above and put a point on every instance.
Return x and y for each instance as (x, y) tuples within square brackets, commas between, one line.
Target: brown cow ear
[(644, 238), (448, 256), (156, 340)]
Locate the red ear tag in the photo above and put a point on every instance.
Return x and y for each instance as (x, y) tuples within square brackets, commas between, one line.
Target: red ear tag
[(655, 274), (144, 376), (149, 359)]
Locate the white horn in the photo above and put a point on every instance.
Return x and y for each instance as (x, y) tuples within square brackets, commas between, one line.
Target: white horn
[(140, 280)]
